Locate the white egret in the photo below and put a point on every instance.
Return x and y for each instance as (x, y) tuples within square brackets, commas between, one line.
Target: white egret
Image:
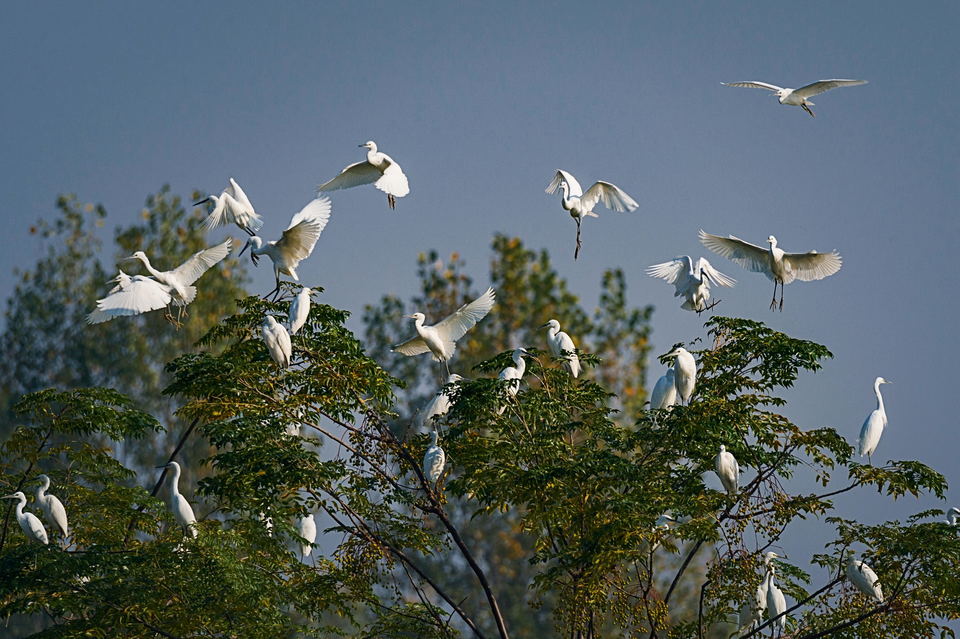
[(297, 242), (307, 529), (752, 610), (777, 265), (685, 372), (232, 207), (664, 393), (873, 426), (29, 523), (378, 169), (952, 515), (277, 340), (441, 338), (562, 346), (581, 205), (513, 374), (728, 470), (434, 459), (662, 525), (179, 506), (437, 406), (51, 507), (692, 280), (797, 97), (776, 602), (863, 577), (299, 310), (131, 296)]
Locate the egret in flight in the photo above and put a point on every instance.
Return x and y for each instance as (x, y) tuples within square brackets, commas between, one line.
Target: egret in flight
[(296, 244), (692, 280), (777, 265), (684, 372), (797, 97), (863, 577), (378, 169), (561, 346), (51, 507), (179, 506), (873, 426), (29, 523), (438, 406), (299, 310), (512, 375), (434, 460), (581, 205), (664, 393), (232, 207), (728, 470), (441, 338), (776, 603), (277, 340), (307, 530), (131, 296)]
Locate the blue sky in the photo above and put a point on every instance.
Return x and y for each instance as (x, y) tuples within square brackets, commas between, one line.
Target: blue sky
[(482, 102)]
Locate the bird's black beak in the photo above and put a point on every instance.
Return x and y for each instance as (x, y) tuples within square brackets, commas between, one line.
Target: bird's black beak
[(545, 325), (203, 201), (245, 247)]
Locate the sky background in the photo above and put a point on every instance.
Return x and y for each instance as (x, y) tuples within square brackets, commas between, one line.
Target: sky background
[(481, 102)]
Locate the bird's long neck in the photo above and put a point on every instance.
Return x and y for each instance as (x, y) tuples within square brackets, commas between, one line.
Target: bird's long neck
[(552, 331), (418, 324), (149, 267), (434, 438), (20, 504), (876, 389), (175, 480)]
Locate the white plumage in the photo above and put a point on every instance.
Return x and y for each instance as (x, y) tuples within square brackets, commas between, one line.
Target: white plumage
[(378, 169), (299, 310), (179, 506), (581, 205), (873, 426), (664, 393), (952, 515), (684, 372), (692, 280), (307, 529), (728, 470), (752, 610), (232, 207), (777, 265), (512, 375), (434, 459), (562, 346), (776, 602), (29, 523), (437, 406), (277, 340), (51, 507), (797, 97), (863, 577)]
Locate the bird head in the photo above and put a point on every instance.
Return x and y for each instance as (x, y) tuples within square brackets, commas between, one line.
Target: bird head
[(17, 495), (43, 479), (454, 378), (674, 353), (772, 241), (269, 321), (138, 255), (723, 448), (419, 317), (254, 244), (369, 144), (881, 380), (552, 324), (209, 198), (171, 465)]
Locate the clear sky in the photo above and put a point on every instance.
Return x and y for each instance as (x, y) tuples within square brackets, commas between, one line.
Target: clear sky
[(482, 102)]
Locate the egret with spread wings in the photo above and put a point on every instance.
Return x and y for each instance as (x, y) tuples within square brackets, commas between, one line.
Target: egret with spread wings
[(692, 280), (797, 97), (581, 205), (379, 169), (232, 207)]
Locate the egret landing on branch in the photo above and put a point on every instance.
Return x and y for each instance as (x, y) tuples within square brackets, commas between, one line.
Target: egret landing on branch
[(52, 508), (29, 523), (580, 204), (379, 169), (873, 426), (232, 207), (797, 97), (561, 346), (692, 280), (179, 506), (131, 296)]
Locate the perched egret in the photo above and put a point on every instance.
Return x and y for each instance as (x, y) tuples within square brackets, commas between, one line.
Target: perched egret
[(561, 346), (299, 310), (662, 525), (434, 459), (581, 205), (664, 393), (441, 338), (777, 265), (232, 207), (692, 280), (776, 603), (752, 611), (29, 523), (436, 407), (51, 507), (685, 372), (952, 515), (297, 242), (179, 506), (728, 470), (131, 296), (378, 169), (277, 340), (513, 374), (873, 427), (307, 529), (797, 97), (863, 577)]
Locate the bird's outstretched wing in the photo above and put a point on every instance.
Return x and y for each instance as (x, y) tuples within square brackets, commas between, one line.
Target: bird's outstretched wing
[(612, 196), (807, 267), (191, 270), (318, 209), (817, 88), (353, 175), (298, 241), (753, 84), (243, 212), (137, 295), (712, 274), (673, 272), (456, 325), (413, 346), (393, 181), (749, 256), (563, 176)]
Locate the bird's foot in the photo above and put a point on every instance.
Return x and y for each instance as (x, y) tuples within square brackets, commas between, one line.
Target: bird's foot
[(391, 201), (708, 307), (773, 304), (781, 303)]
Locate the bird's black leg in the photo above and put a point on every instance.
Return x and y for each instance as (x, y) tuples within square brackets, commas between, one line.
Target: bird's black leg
[(249, 232), (781, 297), (391, 201), (576, 251), (773, 303), (807, 109)]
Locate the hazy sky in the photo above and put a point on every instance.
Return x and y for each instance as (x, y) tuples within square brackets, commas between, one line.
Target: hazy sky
[(482, 102)]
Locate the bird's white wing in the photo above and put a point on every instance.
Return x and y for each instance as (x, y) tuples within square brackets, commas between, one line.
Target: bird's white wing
[(807, 267), (238, 193), (140, 295), (817, 88), (455, 326), (217, 216), (297, 242), (572, 185), (353, 175), (318, 209), (753, 84), (393, 181), (191, 270), (673, 271), (612, 196), (299, 311), (239, 204), (712, 274), (749, 256), (413, 346)]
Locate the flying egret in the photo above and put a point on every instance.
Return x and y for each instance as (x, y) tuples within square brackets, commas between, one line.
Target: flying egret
[(297, 242), (131, 296), (179, 506), (728, 470), (277, 340), (664, 393), (512, 375), (776, 603), (863, 577), (561, 346), (307, 529), (299, 310), (378, 169), (581, 205), (180, 281), (51, 507), (685, 372), (437, 406), (873, 426), (692, 280), (441, 338), (952, 515), (434, 459), (777, 265), (797, 97), (29, 523), (232, 207)]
